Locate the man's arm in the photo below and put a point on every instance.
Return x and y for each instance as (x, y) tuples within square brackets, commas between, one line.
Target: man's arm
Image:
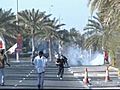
[(34, 61)]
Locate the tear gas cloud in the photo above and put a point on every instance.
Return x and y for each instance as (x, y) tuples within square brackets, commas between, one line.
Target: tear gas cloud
[(78, 57)]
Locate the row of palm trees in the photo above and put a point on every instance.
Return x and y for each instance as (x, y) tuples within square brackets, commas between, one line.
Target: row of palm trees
[(103, 29), (36, 25)]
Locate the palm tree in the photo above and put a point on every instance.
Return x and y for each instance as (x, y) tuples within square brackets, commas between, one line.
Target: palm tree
[(69, 37), (33, 21), (50, 32), (7, 26), (109, 11), (63, 38), (95, 30), (75, 37)]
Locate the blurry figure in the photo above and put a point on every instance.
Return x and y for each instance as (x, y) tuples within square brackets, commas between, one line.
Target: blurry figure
[(66, 60), (60, 63), (106, 57), (3, 60), (40, 63), (57, 56), (46, 54)]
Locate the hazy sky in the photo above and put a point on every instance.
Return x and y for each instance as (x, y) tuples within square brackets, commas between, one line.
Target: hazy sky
[(74, 13)]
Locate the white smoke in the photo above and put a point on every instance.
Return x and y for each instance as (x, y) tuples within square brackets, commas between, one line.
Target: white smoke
[(78, 57)]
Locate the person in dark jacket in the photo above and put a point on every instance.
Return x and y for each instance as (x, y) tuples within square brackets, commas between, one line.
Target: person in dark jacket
[(60, 63), (66, 60), (3, 59)]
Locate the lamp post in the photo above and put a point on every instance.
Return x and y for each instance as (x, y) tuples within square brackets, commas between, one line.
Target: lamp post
[(60, 43), (17, 51), (50, 42)]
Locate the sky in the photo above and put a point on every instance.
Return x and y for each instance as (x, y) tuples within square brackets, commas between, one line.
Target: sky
[(73, 13)]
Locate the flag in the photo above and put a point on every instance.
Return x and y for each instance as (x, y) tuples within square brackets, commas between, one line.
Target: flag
[(2, 43), (19, 41), (12, 49)]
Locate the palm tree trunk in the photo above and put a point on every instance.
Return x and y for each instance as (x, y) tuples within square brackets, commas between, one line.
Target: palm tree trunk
[(33, 47), (60, 48), (50, 49)]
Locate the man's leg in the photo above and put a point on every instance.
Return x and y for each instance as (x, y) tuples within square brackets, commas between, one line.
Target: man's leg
[(42, 80), (62, 72), (39, 77), (3, 76), (0, 76), (59, 70)]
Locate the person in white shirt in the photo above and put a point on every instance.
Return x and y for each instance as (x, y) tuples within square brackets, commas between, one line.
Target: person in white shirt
[(40, 63)]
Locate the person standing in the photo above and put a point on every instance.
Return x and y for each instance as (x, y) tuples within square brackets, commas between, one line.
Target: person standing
[(3, 59), (40, 63), (106, 57)]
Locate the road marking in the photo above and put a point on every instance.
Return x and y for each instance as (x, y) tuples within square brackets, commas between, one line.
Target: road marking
[(20, 81), (71, 71), (92, 74), (15, 85), (23, 78)]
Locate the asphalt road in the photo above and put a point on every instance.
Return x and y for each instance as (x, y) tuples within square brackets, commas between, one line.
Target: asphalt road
[(22, 75), (97, 75)]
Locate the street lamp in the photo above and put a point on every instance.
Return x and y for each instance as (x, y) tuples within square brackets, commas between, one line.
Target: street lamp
[(17, 52)]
